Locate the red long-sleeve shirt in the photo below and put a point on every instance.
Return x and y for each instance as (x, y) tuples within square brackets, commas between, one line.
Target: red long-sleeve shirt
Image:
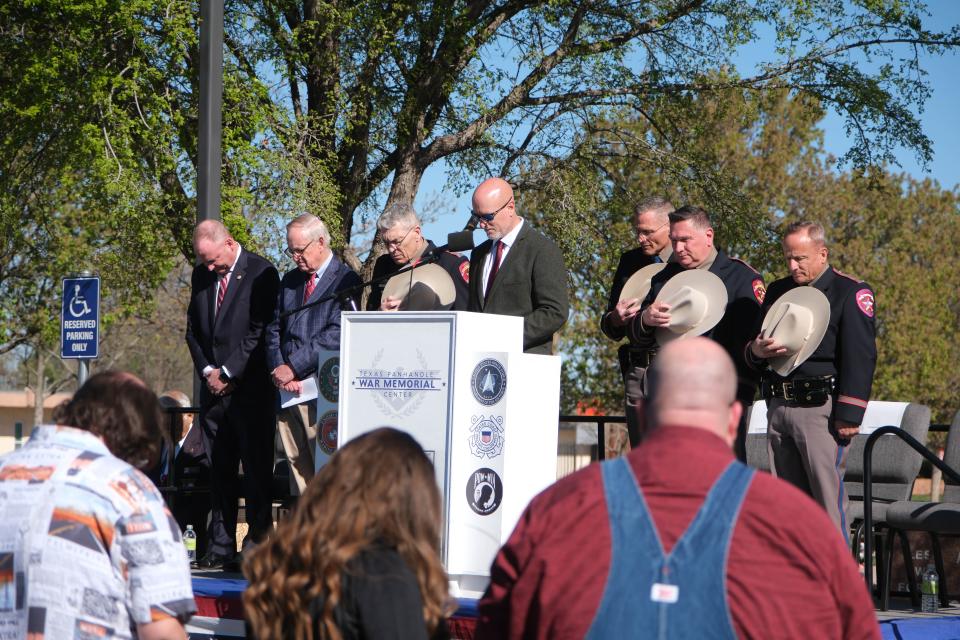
[(789, 574)]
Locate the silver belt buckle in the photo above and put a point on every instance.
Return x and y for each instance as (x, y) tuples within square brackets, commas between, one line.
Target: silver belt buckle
[(786, 393)]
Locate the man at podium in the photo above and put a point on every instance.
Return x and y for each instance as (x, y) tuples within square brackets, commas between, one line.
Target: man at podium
[(399, 229), (518, 271)]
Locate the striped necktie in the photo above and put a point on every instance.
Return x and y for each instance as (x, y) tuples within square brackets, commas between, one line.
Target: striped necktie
[(222, 289), (309, 286)]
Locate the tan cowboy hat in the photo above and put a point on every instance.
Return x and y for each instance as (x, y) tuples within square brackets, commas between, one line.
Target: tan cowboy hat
[(697, 300), (638, 285), (798, 320), (426, 288)]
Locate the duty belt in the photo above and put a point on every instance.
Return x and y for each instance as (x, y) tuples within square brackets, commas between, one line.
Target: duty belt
[(800, 390), (640, 357)]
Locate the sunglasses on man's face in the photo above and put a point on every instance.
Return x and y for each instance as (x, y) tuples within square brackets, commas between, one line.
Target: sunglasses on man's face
[(488, 217)]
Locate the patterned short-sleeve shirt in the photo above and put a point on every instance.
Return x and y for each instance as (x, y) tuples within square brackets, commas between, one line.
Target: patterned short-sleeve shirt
[(88, 549)]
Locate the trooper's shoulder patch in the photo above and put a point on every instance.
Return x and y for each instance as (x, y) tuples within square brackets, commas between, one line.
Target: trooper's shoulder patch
[(465, 270), (866, 302), (759, 290)]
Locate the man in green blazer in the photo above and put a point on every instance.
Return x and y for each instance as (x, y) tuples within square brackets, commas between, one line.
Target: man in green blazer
[(518, 271)]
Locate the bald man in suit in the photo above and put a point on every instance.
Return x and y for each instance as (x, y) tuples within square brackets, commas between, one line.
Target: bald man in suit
[(518, 271)]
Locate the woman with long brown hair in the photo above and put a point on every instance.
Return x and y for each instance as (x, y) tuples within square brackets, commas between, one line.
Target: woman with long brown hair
[(359, 556)]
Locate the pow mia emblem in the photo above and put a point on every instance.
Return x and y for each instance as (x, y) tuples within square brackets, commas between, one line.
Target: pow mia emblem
[(484, 491), (327, 432), (328, 379), (488, 382), (487, 436)]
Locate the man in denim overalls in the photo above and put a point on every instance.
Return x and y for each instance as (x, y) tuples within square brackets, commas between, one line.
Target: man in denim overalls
[(677, 539)]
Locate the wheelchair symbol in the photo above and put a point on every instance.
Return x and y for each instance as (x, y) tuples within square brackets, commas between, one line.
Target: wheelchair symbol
[(78, 304)]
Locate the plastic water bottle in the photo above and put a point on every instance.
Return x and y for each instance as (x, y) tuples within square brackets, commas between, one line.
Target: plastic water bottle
[(929, 590), (190, 542)]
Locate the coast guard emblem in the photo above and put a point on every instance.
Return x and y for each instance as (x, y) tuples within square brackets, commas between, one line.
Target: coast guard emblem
[(488, 382), (486, 436)]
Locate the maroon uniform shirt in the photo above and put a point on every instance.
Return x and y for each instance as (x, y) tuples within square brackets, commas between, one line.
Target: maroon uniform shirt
[(789, 574)]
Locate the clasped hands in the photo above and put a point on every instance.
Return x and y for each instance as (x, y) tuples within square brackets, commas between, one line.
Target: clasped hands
[(656, 315), (215, 385), (285, 378)]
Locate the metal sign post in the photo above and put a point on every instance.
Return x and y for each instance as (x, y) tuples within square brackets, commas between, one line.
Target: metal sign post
[(80, 321)]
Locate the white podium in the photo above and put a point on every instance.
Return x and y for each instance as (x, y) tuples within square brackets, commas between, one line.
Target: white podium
[(485, 412)]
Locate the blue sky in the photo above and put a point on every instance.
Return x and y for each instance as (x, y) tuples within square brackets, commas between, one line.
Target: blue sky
[(940, 120)]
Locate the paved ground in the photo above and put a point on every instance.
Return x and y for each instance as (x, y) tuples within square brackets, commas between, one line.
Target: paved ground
[(901, 608)]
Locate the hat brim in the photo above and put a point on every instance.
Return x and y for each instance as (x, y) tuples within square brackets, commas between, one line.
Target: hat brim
[(711, 286), (432, 276), (814, 300), (637, 286)]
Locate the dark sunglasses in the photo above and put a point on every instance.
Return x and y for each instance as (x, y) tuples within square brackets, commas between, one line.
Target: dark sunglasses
[(488, 217)]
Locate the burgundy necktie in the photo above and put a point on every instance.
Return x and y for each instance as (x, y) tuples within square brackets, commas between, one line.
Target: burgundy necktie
[(222, 289), (310, 286), (494, 269)]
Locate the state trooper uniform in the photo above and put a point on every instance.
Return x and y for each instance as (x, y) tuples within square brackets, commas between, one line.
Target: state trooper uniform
[(637, 353), (453, 263), (832, 384), (739, 325)]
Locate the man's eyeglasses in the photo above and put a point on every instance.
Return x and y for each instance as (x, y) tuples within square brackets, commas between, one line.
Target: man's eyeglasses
[(393, 244), (488, 217), (643, 233), (295, 253)]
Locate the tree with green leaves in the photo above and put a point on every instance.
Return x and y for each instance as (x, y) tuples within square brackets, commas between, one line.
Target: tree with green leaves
[(334, 107), (370, 94), (767, 167)]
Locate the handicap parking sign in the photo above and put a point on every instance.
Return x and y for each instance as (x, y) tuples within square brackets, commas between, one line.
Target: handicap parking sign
[(80, 318)]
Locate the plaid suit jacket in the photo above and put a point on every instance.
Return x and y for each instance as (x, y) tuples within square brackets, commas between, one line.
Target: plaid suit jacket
[(298, 339)]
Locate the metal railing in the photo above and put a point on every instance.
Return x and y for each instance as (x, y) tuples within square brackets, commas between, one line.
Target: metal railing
[(601, 422), (868, 490)]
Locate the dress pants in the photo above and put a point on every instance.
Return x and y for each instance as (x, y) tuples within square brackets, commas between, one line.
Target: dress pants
[(632, 399), (805, 451), (297, 426), (238, 428)]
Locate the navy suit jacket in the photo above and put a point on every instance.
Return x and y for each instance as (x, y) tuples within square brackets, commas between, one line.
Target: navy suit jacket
[(233, 338), (298, 339)]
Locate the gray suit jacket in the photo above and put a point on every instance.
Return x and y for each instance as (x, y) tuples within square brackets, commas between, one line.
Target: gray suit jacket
[(531, 283)]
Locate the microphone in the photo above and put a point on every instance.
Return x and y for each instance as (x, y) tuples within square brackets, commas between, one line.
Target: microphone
[(472, 224), (459, 241), (456, 242)]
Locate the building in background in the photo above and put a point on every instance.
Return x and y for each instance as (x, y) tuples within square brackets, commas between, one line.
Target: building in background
[(16, 407)]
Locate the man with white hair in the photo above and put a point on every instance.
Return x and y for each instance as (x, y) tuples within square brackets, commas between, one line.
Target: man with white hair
[(294, 342), (677, 539), (401, 234)]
